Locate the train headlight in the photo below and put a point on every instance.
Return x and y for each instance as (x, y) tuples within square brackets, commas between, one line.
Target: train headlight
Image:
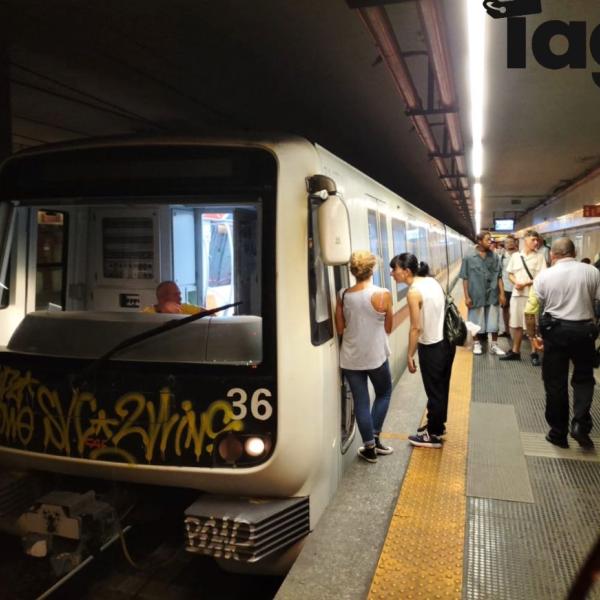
[(235, 449), (254, 446), (230, 449)]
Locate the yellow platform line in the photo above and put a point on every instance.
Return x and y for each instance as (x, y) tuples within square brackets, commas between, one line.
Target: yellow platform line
[(422, 556)]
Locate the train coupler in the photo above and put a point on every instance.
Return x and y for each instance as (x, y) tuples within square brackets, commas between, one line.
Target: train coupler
[(66, 527)]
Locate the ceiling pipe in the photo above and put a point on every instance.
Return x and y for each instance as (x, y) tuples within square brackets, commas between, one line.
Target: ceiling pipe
[(432, 20), (378, 24)]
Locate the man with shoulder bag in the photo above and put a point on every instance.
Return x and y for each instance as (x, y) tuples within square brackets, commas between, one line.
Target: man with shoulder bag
[(568, 292), (523, 267)]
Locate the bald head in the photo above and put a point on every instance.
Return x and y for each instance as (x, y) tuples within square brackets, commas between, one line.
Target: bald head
[(562, 247)]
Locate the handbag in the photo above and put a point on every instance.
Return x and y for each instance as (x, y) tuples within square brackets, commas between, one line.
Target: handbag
[(455, 328)]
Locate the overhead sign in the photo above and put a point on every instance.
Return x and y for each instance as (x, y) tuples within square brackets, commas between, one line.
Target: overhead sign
[(591, 210)]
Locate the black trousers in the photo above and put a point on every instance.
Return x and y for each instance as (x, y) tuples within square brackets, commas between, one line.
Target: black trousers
[(569, 341), (436, 367)]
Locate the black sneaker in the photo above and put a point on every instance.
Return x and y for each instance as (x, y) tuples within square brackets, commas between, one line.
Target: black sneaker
[(535, 359), (510, 355), (423, 429), (368, 453), (382, 448), (425, 440)]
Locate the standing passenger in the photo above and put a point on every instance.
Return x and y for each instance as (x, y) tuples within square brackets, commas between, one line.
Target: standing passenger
[(568, 291), (523, 268), (363, 314), (510, 247), (481, 273), (427, 304)]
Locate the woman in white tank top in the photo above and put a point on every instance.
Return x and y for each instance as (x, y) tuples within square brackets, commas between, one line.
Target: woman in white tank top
[(364, 316), (427, 308)]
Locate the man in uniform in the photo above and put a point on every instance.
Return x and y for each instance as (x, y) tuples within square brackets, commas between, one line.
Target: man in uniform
[(568, 292)]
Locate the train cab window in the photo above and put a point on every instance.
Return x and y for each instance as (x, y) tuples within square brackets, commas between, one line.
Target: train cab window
[(399, 247), (215, 256), (318, 283), (51, 260)]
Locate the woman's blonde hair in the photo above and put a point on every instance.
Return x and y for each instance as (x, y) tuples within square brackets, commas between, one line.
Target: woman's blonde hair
[(362, 263)]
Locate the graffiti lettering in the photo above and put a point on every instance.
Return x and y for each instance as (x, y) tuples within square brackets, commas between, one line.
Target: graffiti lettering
[(155, 426)]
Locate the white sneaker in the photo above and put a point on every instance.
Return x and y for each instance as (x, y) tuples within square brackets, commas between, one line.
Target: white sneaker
[(477, 349), (495, 349)]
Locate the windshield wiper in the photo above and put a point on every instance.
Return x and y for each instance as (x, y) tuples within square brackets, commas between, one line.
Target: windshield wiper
[(140, 337)]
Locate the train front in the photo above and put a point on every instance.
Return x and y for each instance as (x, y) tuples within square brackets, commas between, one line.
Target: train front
[(95, 382)]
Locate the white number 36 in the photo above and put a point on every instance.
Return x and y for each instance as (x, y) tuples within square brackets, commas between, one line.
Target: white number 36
[(260, 407)]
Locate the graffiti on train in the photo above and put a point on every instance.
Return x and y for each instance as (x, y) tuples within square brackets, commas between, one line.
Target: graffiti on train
[(134, 429)]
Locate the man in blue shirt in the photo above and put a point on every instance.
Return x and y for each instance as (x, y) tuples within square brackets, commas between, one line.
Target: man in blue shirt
[(481, 272)]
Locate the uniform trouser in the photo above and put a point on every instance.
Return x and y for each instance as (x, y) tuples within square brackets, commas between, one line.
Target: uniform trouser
[(569, 341), (436, 368)]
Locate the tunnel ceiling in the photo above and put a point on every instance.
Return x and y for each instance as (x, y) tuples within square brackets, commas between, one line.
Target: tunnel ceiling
[(81, 68)]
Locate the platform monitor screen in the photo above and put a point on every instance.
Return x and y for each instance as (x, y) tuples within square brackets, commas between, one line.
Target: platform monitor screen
[(504, 224)]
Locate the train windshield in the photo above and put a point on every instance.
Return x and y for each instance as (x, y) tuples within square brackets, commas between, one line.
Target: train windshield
[(107, 257)]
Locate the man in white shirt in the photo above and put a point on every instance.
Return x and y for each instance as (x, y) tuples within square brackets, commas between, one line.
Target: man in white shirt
[(522, 269), (569, 292)]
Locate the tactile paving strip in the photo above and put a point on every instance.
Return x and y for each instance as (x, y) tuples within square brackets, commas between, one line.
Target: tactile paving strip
[(519, 551), (423, 552)]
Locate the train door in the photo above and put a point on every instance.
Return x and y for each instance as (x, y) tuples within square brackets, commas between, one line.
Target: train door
[(125, 253), (49, 263), (348, 420)]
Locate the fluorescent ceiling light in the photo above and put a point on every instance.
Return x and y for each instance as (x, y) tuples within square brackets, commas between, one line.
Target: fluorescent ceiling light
[(477, 192), (476, 21)]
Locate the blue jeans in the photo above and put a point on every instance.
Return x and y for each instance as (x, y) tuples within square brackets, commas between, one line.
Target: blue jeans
[(370, 422)]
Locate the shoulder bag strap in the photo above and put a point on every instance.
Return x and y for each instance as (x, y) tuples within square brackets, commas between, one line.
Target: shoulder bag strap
[(525, 265)]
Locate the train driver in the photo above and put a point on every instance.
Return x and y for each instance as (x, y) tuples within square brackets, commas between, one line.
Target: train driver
[(168, 300)]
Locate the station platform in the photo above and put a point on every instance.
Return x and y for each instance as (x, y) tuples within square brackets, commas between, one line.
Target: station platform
[(497, 513)]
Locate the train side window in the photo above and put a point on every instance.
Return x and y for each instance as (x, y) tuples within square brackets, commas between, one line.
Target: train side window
[(374, 243), (51, 265), (399, 247), (385, 267), (321, 324), (416, 238)]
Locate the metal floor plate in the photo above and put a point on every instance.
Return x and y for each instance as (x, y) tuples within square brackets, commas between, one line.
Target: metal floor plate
[(520, 384), (519, 551), (496, 464), (516, 550)]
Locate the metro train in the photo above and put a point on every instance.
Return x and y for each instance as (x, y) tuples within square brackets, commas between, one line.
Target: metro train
[(249, 406)]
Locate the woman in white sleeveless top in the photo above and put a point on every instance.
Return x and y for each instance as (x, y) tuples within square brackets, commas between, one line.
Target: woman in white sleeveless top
[(364, 316), (427, 308)]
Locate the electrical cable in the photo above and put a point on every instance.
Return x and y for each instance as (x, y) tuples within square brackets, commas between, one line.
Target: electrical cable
[(82, 93), (50, 125)]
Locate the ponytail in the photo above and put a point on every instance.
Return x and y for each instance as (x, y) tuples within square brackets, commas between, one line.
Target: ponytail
[(423, 270)]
